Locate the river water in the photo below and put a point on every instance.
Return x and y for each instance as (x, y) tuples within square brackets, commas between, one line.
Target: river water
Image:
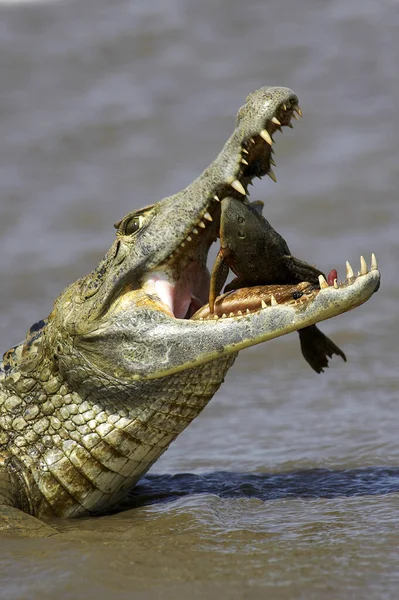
[(287, 485)]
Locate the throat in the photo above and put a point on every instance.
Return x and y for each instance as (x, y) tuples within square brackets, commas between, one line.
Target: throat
[(182, 293)]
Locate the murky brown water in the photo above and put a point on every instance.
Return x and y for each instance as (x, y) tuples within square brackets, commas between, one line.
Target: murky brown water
[(287, 485)]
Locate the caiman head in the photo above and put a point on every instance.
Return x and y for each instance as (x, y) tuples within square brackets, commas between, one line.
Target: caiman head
[(132, 318)]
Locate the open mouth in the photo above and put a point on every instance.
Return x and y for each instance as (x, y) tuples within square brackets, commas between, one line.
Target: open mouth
[(181, 286)]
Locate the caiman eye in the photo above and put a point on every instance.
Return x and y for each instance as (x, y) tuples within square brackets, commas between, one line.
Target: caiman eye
[(133, 225)]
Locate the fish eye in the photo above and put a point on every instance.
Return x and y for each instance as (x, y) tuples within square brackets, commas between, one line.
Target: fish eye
[(297, 295)]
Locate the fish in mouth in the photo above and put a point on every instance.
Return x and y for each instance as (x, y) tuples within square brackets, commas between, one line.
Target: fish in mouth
[(259, 256)]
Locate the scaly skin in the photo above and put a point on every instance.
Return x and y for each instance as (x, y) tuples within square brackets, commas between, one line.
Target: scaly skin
[(98, 391)]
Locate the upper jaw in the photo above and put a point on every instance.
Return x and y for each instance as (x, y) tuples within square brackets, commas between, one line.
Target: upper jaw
[(180, 287), (247, 154)]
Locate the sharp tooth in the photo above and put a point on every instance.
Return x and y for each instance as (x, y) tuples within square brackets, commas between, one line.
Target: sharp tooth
[(284, 107), (248, 311), (245, 151), (263, 304), (208, 217), (290, 125), (216, 198), (276, 121), (295, 117), (363, 266), (195, 230), (298, 110), (273, 300), (183, 244), (322, 282), (224, 316), (253, 141), (237, 185), (202, 224), (215, 317), (374, 264), (272, 162), (189, 238), (231, 314), (239, 313), (272, 175), (335, 284), (349, 270), (266, 136), (244, 162)]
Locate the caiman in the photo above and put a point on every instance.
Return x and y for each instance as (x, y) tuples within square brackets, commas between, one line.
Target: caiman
[(98, 390)]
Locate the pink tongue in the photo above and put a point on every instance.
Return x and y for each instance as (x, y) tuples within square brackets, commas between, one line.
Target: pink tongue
[(177, 300), (331, 276)]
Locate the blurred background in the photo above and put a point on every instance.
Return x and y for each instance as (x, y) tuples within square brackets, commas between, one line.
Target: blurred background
[(109, 106)]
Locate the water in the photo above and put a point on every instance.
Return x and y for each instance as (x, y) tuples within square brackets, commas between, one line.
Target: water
[(287, 485)]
